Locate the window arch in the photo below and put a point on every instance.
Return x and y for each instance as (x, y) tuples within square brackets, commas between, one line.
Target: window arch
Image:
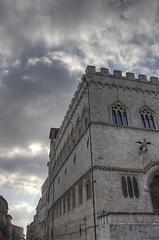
[(135, 186), (119, 115), (124, 187), (129, 187), (147, 118)]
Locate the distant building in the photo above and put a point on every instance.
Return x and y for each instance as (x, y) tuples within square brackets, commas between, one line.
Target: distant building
[(8, 231), (15, 233), (3, 217), (38, 228), (103, 172)]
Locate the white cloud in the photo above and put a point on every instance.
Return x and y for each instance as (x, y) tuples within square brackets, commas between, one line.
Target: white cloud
[(32, 150)]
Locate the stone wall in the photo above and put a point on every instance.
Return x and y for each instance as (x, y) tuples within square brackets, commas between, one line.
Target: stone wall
[(128, 226)]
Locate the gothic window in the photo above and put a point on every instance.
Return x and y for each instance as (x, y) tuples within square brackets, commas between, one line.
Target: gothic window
[(154, 190), (135, 186), (124, 187), (125, 120), (88, 189), (143, 125), (119, 118), (147, 119), (129, 187), (119, 115), (114, 117), (152, 123), (80, 193)]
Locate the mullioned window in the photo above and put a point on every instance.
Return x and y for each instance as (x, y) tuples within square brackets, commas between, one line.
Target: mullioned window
[(147, 118), (119, 115), (129, 187)]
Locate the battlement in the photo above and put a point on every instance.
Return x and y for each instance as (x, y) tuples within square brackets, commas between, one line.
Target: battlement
[(118, 74)]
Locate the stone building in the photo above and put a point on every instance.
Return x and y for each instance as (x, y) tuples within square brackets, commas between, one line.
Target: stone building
[(8, 231), (15, 233), (37, 230), (103, 172), (3, 217)]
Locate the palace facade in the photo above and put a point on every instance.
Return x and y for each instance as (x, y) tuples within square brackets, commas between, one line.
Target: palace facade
[(103, 171)]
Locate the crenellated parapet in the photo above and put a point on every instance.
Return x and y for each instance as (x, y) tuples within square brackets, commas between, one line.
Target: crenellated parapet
[(118, 74)]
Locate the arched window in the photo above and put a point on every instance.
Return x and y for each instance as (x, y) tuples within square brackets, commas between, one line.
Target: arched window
[(147, 118), (143, 125), (147, 121), (119, 118), (125, 120), (130, 188), (154, 190), (114, 118), (124, 187), (119, 115), (135, 187), (152, 124)]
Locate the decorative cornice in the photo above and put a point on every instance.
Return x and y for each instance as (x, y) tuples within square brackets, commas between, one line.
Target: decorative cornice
[(118, 169), (130, 170), (117, 86)]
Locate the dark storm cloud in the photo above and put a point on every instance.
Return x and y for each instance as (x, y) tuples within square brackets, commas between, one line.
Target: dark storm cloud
[(25, 23), (29, 99), (25, 165)]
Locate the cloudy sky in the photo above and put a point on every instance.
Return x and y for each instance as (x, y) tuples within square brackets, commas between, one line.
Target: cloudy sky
[(45, 46)]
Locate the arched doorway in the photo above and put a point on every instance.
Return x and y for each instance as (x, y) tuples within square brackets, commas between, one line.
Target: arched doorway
[(154, 190)]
